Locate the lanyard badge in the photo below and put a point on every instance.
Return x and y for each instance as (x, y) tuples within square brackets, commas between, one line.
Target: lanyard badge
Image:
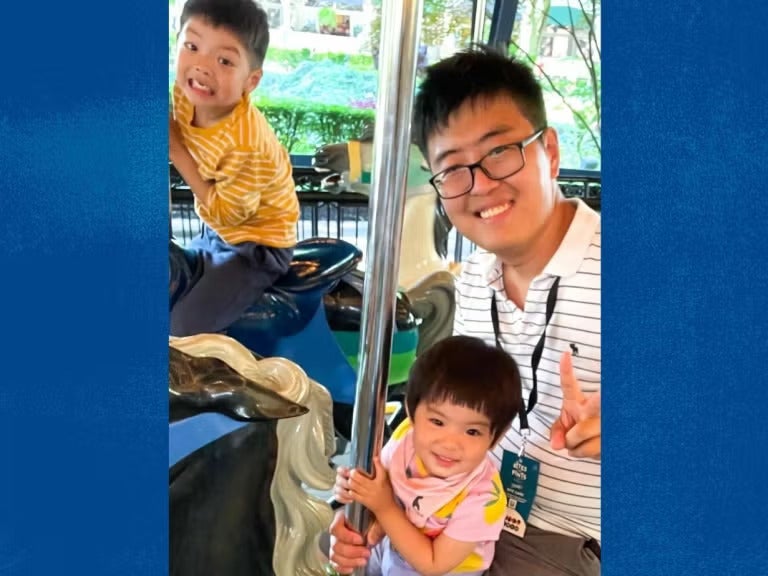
[(520, 474), (520, 477)]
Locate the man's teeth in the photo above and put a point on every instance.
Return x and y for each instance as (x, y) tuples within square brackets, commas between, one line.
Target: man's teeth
[(495, 211)]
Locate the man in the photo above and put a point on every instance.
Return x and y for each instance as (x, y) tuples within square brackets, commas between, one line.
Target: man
[(533, 287)]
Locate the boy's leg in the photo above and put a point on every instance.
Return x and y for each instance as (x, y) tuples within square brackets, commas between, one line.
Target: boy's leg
[(543, 553), (231, 281)]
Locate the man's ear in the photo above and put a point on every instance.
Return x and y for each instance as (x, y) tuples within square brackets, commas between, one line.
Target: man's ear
[(253, 80), (552, 147)]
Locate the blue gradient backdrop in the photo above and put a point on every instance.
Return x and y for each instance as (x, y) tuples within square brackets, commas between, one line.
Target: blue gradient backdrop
[(684, 278), (83, 305), (83, 208)]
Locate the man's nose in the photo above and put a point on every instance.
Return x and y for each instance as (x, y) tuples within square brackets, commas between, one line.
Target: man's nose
[(483, 184)]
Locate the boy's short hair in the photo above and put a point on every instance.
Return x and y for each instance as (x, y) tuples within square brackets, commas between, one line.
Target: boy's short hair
[(245, 18), (470, 75), (468, 372)]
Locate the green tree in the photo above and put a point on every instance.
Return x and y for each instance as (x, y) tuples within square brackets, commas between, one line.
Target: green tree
[(326, 17), (582, 98), (441, 19)]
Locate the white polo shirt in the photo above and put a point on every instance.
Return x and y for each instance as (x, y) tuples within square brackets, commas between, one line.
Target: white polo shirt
[(568, 495)]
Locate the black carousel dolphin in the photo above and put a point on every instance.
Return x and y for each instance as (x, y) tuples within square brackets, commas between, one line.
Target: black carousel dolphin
[(221, 518), (206, 384)]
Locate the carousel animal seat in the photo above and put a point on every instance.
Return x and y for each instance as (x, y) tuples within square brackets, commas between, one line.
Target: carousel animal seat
[(289, 319), (237, 499)]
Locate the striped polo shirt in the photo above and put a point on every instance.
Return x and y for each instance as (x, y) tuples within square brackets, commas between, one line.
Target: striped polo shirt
[(568, 494), (253, 197)]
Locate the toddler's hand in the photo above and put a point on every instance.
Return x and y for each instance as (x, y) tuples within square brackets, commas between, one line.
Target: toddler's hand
[(373, 493), (341, 487)]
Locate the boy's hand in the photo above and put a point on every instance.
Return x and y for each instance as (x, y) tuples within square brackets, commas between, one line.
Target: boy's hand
[(373, 493)]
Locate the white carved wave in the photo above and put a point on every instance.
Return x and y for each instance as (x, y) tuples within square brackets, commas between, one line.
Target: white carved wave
[(306, 444)]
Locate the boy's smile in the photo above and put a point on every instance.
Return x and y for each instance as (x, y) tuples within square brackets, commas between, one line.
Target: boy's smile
[(198, 86), (213, 70)]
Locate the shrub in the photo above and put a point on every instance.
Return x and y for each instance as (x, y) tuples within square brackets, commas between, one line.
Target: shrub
[(303, 126)]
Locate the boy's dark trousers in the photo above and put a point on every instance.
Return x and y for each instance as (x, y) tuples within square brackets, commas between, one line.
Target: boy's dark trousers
[(233, 277)]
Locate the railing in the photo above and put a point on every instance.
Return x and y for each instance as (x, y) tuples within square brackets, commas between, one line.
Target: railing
[(344, 215)]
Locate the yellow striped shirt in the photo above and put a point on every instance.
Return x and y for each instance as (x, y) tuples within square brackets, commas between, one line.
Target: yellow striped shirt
[(253, 197)]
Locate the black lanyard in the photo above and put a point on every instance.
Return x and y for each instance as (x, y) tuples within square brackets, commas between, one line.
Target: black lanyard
[(536, 357)]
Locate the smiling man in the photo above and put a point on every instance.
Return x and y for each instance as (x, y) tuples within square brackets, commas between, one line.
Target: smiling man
[(532, 288)]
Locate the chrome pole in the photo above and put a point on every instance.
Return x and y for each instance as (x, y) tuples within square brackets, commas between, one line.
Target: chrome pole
[(478, 26), (400, 21)]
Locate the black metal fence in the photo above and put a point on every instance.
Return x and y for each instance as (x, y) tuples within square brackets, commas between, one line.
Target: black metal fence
[(344, 215)]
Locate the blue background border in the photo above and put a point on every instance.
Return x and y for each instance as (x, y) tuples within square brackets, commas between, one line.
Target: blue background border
[(685, 288), (83, 205), (84, 215)]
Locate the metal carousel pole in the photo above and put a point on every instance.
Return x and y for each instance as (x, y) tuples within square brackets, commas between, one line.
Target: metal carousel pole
[(397, 77), (478, 22)]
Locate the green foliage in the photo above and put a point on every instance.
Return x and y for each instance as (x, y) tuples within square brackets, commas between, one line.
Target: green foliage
[(303, 126), (326, 17), (322, 82), (580, 96), (291, 59), (440, 19), (286, 57)]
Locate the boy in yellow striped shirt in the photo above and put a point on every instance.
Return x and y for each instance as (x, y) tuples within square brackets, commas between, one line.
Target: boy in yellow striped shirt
[(229, 156)]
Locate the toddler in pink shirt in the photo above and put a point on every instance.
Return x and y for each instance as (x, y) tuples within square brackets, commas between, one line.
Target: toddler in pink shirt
[(437, 498)]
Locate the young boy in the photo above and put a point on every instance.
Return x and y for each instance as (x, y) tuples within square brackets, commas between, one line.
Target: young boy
[(436, 495), (226, 152)]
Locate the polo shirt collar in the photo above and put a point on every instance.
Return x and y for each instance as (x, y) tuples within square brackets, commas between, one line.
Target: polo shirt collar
[(567, 258)]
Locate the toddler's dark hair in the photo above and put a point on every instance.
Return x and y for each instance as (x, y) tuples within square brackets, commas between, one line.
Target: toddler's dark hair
[(468, 372)]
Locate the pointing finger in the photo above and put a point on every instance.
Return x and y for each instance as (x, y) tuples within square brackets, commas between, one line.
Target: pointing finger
[(568, 382)]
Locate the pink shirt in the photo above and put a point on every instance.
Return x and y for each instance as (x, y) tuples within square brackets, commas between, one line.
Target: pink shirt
[(469, 508)]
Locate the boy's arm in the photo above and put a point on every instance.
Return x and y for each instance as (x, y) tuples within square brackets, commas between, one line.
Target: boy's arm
[(186, 165), (241, 176)]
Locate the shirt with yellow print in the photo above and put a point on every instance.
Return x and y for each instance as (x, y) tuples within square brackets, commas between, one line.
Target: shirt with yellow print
[(474, 514)]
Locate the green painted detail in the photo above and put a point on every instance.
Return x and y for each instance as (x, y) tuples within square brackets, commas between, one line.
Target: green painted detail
[(404, 341), (403, 352), (399, 366)]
